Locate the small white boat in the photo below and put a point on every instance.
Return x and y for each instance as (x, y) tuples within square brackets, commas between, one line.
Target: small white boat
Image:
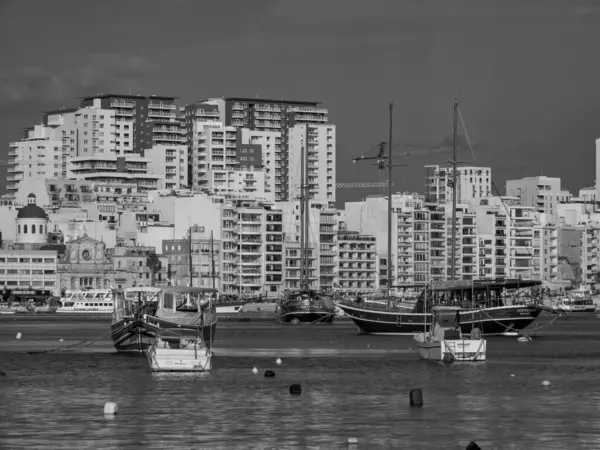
[(445, 342), (232, 309), (181, 354)]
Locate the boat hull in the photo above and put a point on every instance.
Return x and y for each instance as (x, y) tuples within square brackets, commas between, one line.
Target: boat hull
[(307, 317), (491, 321), (462, 350), (179, 360)]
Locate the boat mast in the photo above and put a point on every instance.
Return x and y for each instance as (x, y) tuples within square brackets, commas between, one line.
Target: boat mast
[(212, 259), (389, 237), (304, 215), (190, 260), (454, 163), (302, 194)]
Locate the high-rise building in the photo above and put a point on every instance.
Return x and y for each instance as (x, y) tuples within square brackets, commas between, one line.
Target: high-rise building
[(256, 114), (540, 193), (472, 184)]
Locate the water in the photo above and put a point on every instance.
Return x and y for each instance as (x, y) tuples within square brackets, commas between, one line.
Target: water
[(358, 388)]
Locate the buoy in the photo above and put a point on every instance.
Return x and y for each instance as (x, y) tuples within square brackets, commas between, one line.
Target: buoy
[(2, 374), (525, 338), (255, 371), (269, 374), (61, 340), (546, 383), (111, 408), (416, 397), (368, 345), (448, 358), (473, 446), (295, 389), (512, 374), (352, 441), (278, 361), (19, 335)]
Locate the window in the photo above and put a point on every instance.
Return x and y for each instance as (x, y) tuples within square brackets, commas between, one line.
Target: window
[(32, 229), (24, 229), (19, 229), (41, 229)]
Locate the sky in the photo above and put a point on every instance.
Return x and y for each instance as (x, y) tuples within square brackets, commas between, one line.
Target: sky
[(526, 72)]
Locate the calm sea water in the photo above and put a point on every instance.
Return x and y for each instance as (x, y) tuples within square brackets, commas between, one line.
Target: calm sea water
[(56, 400)]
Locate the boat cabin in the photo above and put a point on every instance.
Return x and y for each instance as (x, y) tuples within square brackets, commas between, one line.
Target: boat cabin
[(468, 294), (446, 322), (187, 299)]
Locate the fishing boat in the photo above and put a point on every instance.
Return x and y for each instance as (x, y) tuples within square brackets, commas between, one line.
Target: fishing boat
[(130, 331), (484, 302), (445, 341), (184, 312), (306, 304), (576, 300)]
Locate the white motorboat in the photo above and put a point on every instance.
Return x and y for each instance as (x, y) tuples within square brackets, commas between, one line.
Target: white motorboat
[(445, 342), (230, 309), (179, 354)]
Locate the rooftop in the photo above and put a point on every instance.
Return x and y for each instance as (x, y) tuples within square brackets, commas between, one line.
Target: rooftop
[(130, 97), (267, 100)]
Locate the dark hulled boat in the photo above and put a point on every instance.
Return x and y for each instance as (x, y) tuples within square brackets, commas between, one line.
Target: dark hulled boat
[(483, 306), (306, 306)]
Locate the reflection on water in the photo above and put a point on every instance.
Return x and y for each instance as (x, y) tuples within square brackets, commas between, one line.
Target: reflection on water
[(56, 401)]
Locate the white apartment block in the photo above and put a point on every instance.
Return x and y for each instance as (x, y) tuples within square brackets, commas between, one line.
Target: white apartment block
[(115, 172), (252, 239), (545, 249), (472, 184), (357, 262), (37, 157), (540, 193), (320, 143), (272, 156), (590, 253), (170, 162)]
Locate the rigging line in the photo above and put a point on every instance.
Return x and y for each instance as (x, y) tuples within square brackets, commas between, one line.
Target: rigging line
[(466, 134)]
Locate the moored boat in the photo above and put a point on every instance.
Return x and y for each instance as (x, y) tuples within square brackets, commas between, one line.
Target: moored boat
[(306, 306), (179, 354), (482, 305), (130, 331), (95, 301), (445, 341)]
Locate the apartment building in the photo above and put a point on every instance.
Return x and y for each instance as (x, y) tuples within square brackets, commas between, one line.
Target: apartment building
[(29, 269), (472, 184), (590, 253), (318, 141), (36, 157), (266, 115), (138, 119), (115, 172), (545, 252), (540, 193), (170, 162), (131, 268), (272, 155), (357, 270), (466, 250), (252, 248)]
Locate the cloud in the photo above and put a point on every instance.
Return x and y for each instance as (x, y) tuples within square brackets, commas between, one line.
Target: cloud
[(34, 88)]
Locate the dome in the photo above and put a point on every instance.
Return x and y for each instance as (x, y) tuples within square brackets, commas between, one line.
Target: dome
[(31, 211)]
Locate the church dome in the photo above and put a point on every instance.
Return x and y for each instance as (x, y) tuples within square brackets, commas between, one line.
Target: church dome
[(31, 211)]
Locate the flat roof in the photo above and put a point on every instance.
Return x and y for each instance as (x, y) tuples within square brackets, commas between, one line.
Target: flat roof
[(62, 111), (264, 100), (129, 96)]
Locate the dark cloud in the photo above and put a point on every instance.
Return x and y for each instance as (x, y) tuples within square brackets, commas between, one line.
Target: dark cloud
[(35, 88)]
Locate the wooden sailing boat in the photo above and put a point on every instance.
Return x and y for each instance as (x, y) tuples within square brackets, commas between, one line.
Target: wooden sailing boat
[(306, 304), (481, 305)]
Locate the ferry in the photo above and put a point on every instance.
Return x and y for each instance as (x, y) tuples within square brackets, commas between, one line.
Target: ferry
[(96, 301)]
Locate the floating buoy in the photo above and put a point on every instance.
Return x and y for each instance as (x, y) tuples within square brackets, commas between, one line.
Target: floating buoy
[(19, 335), (368, 345), (111, 408), (416, 397), (448, 358), (512, 374), (352, 441), (255, 371), (2, 374), (61, 340), (295, 389), (546, 383), (525, 338), (269, 374), (473, 446), (278, 362)]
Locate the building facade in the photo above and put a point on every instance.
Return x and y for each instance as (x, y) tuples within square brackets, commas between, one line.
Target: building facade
[(86, 265)]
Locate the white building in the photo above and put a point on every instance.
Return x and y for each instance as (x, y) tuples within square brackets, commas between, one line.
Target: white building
[(32, 224), (272, 155), (540, 193), (36, 157), (472, 184), (169, 162), (320, 143)]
